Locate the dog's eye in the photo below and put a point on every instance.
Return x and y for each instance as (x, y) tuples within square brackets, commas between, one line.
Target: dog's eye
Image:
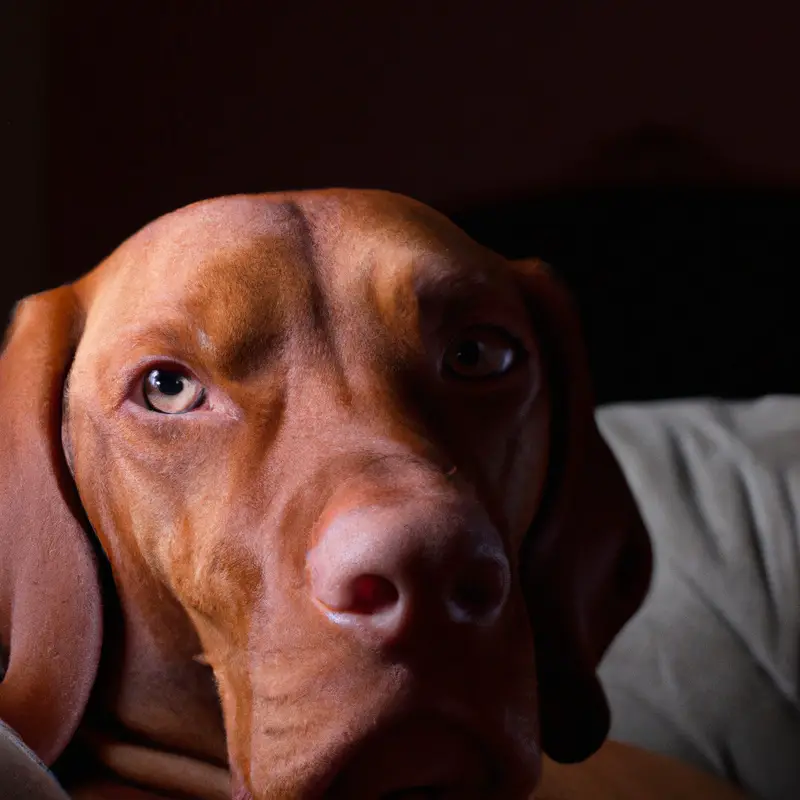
[(170, 391), (481, 352)]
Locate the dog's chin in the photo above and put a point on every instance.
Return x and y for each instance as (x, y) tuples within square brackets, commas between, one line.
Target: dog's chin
[(421, 759), (418, 758)]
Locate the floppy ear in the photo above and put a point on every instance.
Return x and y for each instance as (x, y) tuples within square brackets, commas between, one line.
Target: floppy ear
[(50, 604), (585, 563)]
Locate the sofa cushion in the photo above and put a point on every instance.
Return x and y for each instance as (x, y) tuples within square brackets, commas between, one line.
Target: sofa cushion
[(708, 670)]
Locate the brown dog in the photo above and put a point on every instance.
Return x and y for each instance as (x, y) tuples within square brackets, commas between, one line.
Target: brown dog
[(341, 471)]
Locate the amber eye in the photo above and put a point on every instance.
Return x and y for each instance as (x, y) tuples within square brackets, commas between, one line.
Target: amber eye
[(481, 352), (169, 391)]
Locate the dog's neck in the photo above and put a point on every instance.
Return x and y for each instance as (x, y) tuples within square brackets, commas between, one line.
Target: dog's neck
[(161, 715)]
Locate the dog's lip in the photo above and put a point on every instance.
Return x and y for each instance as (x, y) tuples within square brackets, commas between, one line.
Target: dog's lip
[(416, 758)]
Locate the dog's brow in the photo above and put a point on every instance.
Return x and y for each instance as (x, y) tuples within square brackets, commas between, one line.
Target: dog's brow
[(175, 335), (452, 281), (239, 354), (453, 290)]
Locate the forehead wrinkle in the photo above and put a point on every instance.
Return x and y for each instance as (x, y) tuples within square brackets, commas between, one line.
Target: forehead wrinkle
[(320, 311), (310, 252)]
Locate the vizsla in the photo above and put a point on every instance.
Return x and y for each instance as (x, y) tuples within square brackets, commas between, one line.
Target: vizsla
[(302, 497)]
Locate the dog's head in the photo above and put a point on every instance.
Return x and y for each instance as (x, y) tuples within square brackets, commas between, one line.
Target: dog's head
[(342, 459)]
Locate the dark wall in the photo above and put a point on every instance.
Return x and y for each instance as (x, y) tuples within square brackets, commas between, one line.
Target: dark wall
[(154, 104), (23, 259)]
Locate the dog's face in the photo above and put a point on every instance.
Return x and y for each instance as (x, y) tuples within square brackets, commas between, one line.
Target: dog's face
[(314, 435)]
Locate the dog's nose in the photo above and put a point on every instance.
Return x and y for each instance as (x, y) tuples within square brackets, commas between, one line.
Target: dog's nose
[(381, 568)]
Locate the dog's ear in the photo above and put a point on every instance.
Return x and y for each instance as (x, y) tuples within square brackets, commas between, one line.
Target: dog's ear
[(586, 560), (50, 600)]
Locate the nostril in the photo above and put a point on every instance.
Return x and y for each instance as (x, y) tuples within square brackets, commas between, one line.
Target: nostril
[(371, 594), (479, 592)]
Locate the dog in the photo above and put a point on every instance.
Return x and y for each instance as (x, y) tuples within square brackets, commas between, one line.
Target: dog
[(303, 497)]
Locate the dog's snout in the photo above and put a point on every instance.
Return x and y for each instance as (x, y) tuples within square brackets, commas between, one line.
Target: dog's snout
[(381, 568)]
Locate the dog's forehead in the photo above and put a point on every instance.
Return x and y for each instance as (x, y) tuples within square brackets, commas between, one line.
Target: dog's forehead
[(249, 267), (288, 231)]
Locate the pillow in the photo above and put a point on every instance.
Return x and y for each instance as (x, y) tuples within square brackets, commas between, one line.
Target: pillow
[(708, 670)]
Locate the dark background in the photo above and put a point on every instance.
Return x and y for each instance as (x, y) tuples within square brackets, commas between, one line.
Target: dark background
[(649, 150)]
